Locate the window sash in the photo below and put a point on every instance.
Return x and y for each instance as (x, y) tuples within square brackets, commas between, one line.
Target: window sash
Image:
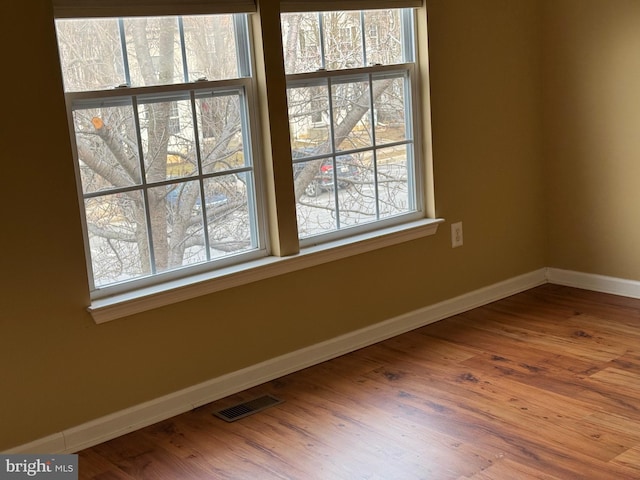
[(126, 74), (327, 79), (190, 92)]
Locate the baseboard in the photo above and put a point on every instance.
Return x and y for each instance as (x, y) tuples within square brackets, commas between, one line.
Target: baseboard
[(596, 283), (139, 416), (51, 444)]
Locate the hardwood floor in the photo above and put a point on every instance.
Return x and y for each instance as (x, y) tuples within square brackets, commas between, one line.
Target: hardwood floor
[(541, 385)]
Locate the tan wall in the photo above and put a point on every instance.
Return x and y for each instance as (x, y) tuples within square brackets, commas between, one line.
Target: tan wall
[(59, 369), (592, 119)]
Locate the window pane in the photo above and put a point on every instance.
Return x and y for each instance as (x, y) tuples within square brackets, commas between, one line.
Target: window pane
[(119, 248), (221, 137), (168, 140), (309, 120), (228, 209), (176, 226), (90, 54), (357, 193), (211, 47), (342, 40), (154, 51), (316, 207), (395, 184), (383, 36), (352, 114), (390, 110), (107, 147), (301, 42)]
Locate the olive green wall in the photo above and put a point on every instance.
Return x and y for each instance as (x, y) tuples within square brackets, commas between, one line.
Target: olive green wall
[(592, 119), (59, 369)]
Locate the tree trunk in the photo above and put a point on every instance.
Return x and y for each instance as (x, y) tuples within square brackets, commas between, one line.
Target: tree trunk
[(157, 131)]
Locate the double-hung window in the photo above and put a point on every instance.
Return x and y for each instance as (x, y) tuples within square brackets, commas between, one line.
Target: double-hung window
[(351, 91), (163, 115), (159, 111)]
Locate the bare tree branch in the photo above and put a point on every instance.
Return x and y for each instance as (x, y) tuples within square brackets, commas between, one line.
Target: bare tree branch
[(106, 170), (111, 234), (359, 108)]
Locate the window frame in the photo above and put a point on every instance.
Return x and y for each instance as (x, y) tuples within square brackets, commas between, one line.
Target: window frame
[(244, 86), (328, 77)]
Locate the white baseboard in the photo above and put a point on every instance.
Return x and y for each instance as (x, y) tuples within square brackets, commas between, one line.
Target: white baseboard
[(596, 283), (52, 444), (139, 416)]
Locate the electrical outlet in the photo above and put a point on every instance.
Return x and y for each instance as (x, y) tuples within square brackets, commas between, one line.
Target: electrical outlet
[(456, 235)]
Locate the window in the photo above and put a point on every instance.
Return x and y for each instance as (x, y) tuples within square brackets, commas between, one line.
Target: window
[(163, 115), (351, 116), (159, 114)]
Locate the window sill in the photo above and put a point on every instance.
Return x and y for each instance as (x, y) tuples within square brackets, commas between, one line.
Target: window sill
[(130, 303)]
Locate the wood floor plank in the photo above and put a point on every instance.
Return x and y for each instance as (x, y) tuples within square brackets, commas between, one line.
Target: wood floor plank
[(622, 425), (99, 467), (629, 362), (629, 459), (142, 459), (507, 469), (541, 385)]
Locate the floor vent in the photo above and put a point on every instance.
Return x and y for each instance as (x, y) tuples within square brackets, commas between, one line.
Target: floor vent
[(245, 409)]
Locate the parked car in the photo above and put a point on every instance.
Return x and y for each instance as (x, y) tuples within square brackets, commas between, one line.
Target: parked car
[(323, 180)]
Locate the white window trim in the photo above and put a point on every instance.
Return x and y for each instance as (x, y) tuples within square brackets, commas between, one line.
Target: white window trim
[(142, 300)]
